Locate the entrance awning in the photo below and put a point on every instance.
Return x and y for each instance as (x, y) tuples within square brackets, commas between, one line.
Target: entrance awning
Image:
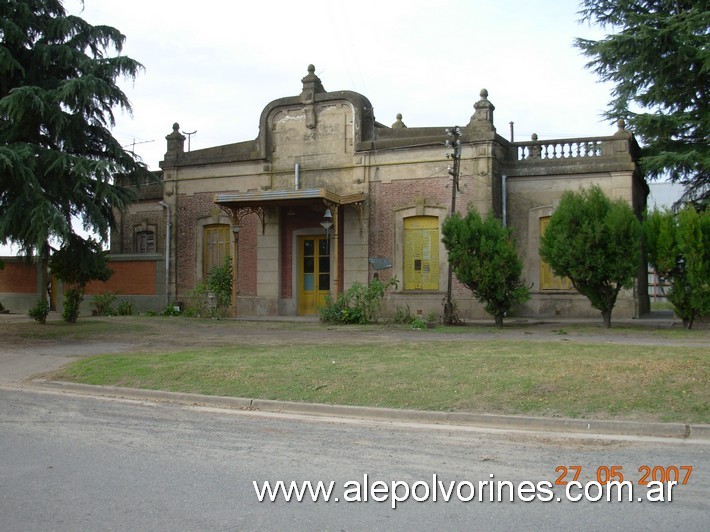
[(242, 204), (276, 198)]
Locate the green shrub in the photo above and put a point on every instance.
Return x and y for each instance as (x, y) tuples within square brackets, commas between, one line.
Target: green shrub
[(213, 298), (40, 311), (219, 284), (103, 303), (171, 310), (418, 323), (124, 308), (403, 315), (359, 304), (72, 299), (199, 301)]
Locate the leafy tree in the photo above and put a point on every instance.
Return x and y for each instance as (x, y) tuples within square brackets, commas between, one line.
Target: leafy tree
[(58, 159), (679, 249), (656, 53), (76, 264), (482, 255), (596, 243)]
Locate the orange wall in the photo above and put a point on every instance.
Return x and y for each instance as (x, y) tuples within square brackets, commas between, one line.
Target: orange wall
[(18, 278), (130, 278)]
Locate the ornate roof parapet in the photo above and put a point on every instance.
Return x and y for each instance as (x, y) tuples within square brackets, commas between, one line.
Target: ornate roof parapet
[(398, 124)]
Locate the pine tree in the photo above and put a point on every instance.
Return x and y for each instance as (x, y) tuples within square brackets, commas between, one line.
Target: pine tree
[(58, 158), (657, 54)]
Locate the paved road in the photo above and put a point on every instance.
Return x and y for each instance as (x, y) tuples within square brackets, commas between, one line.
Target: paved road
[(71, 462)]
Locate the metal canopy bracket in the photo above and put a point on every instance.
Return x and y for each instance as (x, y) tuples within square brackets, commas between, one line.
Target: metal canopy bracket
[(241, 204), (237, 214)]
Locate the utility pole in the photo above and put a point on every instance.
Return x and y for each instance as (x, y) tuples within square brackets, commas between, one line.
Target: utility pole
[(453, 142)]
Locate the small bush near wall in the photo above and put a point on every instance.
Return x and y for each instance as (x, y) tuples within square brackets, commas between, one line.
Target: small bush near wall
[(102, 304), (40, 311), (359, 304), (124, 308)]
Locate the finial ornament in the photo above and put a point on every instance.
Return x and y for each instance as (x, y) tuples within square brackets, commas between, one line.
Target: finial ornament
[(621, 130), (398, 124)]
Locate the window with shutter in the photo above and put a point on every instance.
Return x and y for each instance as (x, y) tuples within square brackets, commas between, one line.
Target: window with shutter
[(145, 242), (421, 253), (216, 247)]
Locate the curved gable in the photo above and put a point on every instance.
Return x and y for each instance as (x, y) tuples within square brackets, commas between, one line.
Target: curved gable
[(316, 122)]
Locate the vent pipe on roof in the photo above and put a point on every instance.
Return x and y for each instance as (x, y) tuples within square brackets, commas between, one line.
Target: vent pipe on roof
[(504, 199), (297, 169)]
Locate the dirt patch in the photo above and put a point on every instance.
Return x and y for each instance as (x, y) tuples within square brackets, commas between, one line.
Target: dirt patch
[(93, 335)]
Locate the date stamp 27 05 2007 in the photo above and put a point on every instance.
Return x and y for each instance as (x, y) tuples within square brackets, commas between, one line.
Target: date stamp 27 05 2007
[(604, 474)]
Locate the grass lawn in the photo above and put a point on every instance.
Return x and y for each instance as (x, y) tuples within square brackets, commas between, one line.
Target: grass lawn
[(507, 376)]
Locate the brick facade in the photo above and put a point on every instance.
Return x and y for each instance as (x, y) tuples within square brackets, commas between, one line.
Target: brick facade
[(18, 277), (129, 278)]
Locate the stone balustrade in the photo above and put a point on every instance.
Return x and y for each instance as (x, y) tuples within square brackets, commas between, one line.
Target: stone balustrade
[(575, 148)]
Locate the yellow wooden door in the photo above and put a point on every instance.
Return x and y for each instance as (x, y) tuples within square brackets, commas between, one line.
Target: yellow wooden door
[(313, 273)]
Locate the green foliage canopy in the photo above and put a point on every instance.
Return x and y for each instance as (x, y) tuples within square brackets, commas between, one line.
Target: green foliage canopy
[(482, 255), (657, 55), (596, 243), (679, 249), (58, 158)]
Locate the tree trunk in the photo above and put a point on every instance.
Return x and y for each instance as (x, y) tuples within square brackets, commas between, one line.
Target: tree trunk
[(499, 320), (606, 316)]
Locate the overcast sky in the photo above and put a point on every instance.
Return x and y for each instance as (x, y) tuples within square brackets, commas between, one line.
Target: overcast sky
[(213, 65)]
